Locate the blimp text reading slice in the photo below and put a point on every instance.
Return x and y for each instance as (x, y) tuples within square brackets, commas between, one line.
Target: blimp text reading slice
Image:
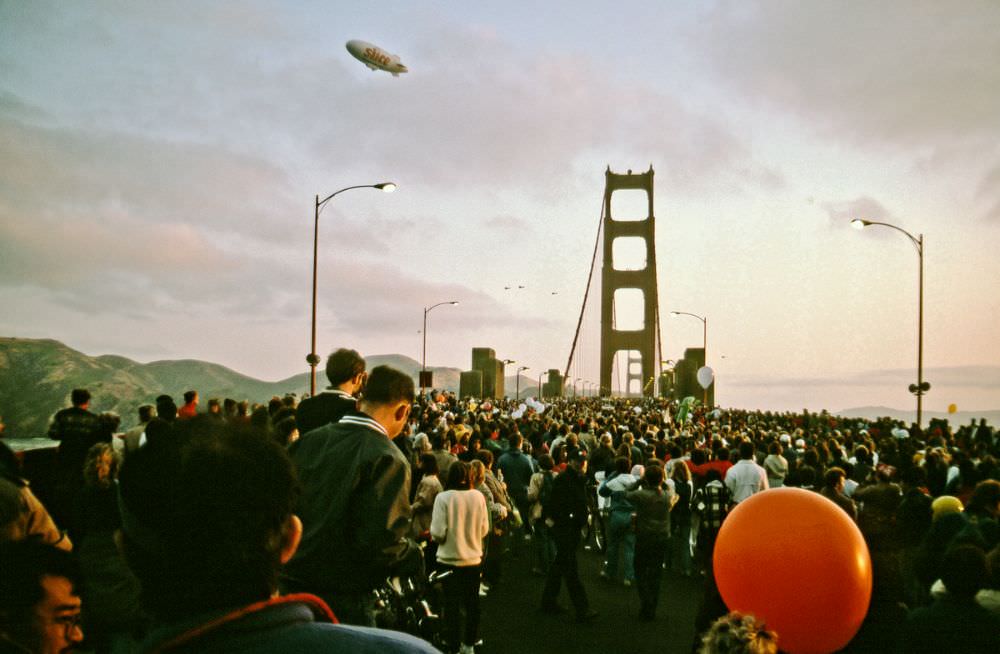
[(376, 58)]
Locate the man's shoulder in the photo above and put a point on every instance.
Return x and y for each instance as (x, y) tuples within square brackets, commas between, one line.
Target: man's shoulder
[(326, 637), (344, 434), (513, 456), (284, 625), (314, 438), (74, 412), (326, 398)]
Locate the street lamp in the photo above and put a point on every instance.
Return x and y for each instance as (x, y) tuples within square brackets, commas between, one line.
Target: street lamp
[(574, 386), (921, 387), (704, 324), (423, 356), (313, 359), (541, 394), (517, 382)]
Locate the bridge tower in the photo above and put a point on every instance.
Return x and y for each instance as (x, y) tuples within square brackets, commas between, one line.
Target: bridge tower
[(643, 364)]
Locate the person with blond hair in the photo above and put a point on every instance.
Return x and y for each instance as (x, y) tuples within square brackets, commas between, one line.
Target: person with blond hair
[(737, 633)]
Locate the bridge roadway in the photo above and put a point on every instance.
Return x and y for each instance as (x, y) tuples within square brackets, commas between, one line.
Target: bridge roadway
[(512, 624)]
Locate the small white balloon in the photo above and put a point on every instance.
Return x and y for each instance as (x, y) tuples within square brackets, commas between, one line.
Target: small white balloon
[(705, 376)]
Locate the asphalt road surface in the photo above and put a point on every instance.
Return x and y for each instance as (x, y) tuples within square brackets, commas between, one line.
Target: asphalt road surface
[(512, 623)]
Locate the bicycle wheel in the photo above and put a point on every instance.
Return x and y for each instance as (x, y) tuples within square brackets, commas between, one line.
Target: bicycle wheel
[(598, 530)]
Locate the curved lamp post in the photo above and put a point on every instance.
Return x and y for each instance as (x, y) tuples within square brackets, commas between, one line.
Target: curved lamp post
[(921, 387), (313, 359), (517, 382), (704, 345), (423, 356), (541, 395)]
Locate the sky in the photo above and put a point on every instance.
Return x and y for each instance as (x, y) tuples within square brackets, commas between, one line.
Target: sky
[(161, 162)]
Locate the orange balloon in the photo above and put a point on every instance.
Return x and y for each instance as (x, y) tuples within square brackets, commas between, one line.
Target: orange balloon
[(797, 561)]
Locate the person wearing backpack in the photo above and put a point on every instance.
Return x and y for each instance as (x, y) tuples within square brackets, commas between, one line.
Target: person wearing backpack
[(539, 491), (711, 504)]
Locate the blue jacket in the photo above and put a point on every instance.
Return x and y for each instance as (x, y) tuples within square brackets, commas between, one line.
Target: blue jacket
[(517, 470), (294, 623)]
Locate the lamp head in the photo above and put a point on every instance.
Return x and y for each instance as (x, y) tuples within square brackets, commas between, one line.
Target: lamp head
[(453, 302), (859, 223), (387, 187)]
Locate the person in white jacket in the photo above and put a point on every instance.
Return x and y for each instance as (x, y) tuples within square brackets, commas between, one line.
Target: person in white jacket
[(746, 477), (459, 524)]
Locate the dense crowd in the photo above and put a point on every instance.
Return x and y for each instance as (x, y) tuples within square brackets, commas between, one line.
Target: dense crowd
[(261, 527)]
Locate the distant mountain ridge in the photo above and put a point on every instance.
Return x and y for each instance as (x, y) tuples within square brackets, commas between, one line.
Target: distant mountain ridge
[(954, 419), (37, 375)]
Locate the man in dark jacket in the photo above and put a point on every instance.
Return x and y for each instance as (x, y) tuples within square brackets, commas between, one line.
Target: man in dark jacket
[(517, 469), (76, 429), (346, 371), (566, 515), (355, 501), (601, 459)]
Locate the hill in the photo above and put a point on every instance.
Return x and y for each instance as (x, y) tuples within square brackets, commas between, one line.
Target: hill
[(36, 377), (954, 419)]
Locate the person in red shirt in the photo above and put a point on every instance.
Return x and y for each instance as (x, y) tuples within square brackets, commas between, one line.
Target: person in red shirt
[(190, 408)]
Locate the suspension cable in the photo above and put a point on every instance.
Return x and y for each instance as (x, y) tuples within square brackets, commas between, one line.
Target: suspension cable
[(586, 293)]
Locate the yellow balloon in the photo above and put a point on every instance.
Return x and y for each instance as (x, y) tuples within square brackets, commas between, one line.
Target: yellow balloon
[(952, 408)]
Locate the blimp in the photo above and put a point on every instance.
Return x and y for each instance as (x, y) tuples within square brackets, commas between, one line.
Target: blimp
[(376, 58)]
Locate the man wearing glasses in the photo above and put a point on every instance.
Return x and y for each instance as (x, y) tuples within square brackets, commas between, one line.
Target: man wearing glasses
[(39, 606)]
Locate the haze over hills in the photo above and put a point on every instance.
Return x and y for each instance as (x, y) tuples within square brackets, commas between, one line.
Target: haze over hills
[(37, 375), (955, 419)]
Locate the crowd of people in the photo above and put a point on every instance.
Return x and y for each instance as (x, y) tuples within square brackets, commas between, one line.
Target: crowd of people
[(268, 527)]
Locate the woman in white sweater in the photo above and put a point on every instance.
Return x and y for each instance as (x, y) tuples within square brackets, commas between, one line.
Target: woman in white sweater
[(458, 525)]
